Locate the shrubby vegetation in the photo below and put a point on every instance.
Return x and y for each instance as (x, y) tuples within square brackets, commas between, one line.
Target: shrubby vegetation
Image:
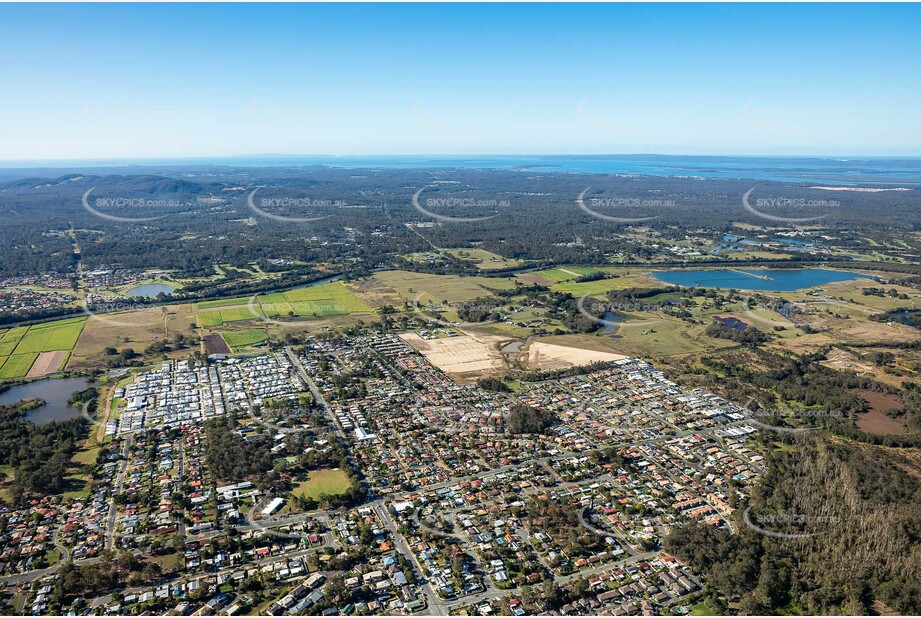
[(525, 419), (749, 335), (493, 384)]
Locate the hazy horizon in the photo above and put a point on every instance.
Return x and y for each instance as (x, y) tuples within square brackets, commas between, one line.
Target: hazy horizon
[(198, 159)]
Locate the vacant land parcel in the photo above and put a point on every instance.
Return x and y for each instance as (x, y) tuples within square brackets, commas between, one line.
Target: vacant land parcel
[(468, 357)]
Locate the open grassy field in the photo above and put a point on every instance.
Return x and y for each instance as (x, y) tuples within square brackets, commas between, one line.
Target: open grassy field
[(597, 288), (328, 299), (10, 338), (484, 260), (330, 482), (131, 329), (49, 337), (210, 318), (319, 308), (275, 305), (7, 347), (665, 337), (242, 338), (408, 286), (238, 313), (702, 609), (494, 283), (563, 273), (222, 302), (562, 279)]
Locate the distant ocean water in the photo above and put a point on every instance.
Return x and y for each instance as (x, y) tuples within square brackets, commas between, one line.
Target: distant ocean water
[(832, 171)]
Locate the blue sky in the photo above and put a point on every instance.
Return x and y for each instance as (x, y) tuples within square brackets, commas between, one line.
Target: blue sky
[(128, 80)]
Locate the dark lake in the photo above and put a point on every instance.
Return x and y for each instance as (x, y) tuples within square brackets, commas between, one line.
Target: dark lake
[(774, 280), (150, 290), (55, 393)]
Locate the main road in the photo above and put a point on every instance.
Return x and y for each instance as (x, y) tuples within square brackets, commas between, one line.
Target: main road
[(116, 489)]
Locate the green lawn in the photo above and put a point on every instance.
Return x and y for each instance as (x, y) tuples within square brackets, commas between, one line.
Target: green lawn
[(86, 457), (222, 302), (241, 338), (329, 482), (17, 365), (564, 273), (9, 339), (275, 305), (484, 260), (319, 308), (590, 288), (494, 283), (210, 318), (49, 337), (702, 609), (13, 334), (77, 487), (219, 317), (425, 287), (237, 314), (327, 299)]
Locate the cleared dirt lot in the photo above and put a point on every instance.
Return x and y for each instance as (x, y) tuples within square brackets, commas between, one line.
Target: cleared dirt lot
[(465, 358), (47, 362), (551, 356), (215, 344), (876, 421), (528, 278)]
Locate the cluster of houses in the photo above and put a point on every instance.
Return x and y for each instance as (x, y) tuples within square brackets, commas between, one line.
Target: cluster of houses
[(23, 301), (27, 534), (50, 280), (117, 277), (151, 479), (453, 517), (178, 392), (257, 379), (301, 598), (185, 392)]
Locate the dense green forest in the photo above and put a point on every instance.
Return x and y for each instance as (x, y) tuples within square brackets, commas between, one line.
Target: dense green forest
[(860, 507), (749, 335)]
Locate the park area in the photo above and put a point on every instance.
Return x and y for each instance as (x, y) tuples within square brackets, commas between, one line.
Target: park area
[(323, 482)]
